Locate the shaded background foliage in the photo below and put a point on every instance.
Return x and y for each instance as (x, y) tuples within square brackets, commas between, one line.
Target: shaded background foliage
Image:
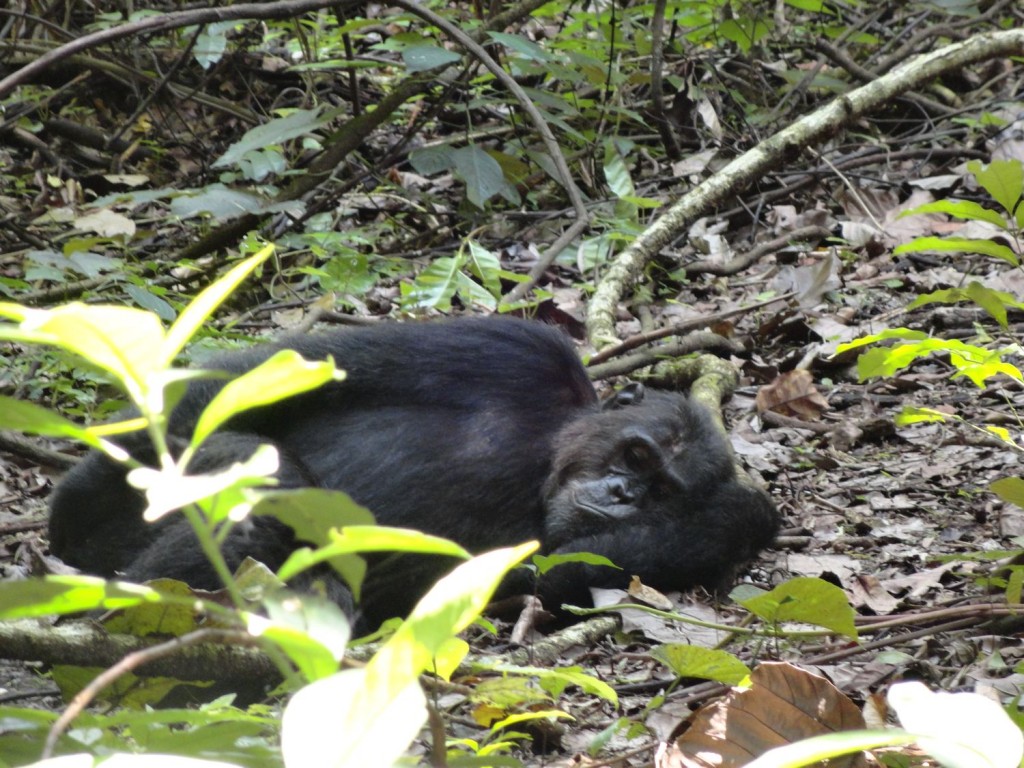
[(397, 175)]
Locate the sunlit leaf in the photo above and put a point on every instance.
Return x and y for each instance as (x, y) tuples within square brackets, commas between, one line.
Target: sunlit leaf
[(284, 375)]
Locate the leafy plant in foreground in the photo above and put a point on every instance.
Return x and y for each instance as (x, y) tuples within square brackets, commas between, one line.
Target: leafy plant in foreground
[(337, 717), (1004, 181)]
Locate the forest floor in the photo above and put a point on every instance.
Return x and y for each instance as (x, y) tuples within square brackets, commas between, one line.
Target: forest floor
[(900, 517)]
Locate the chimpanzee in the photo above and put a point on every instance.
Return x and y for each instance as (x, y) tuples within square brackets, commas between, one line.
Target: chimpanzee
[(483, 430)]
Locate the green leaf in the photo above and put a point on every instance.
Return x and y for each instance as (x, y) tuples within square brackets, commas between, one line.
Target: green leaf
[(219, 492), (313, 659), (959, 245), (486, 266), (545, 563), (421, 58), (914, 415), (526, 48), (346, 721), (820, 748), (1003, 179), (471, 292), (481, 173), (205, 304), (891, 333), (961, 209), (432, 160), (218, 201), (69, 594), (1009, 489), (284, 375), (344, 544), (36, 420), (435, 286), (705, 663), (992, 301), (211, 43), (615, 171), (276, 131), (450, 606), (314, 514), (806, 600), (122, 341), (960, 729), (150, 302), (555, 680)]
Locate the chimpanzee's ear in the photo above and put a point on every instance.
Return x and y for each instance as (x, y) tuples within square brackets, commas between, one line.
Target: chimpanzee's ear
[(631, 394)]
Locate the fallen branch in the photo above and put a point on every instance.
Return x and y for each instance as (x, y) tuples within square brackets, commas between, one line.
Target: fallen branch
[(772, 153)]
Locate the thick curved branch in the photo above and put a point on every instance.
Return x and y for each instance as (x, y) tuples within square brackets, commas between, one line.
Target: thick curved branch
[(174, 20), (771, 153)]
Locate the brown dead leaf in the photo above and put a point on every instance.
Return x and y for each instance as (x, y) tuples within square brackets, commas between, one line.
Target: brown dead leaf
[(784, 704), (866, 590), (648, 595), (792, 394)]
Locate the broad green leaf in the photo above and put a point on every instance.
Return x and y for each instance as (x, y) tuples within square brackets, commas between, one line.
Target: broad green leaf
[(122, 341), (432, 160), (318, 617), (891, 333), (615, 171), (481, 173), (211, 43), (284, 375), (521, 45), (449, 656), (32, 419), (915, 415), (170, 619), (354, 539), (421, 58), (1002, 433), (474, 294), (435, 286), (555, 680), (450, 606), (313, 659), (976, 363), (150, 302), (313, 512), (1003, 179), (486, 266), (545, 563), (992, 301), (347, 721), (69, 594), (1009, 489), (705, 663), (959, 245), (168, 491), (979, 372), (526, 717), (203, 306), (806, 600), (217, 202), (277, 131), (960, 729), (820, 748), (962, 209)]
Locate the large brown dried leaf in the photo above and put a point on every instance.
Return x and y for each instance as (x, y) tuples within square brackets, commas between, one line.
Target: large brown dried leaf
[(792, 394), (784, 704)]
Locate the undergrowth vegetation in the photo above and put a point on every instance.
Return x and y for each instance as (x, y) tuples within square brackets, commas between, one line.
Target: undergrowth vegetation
[(410, 160)]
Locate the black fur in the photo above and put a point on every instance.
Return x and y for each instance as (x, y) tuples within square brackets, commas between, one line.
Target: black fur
[(486, 431)]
